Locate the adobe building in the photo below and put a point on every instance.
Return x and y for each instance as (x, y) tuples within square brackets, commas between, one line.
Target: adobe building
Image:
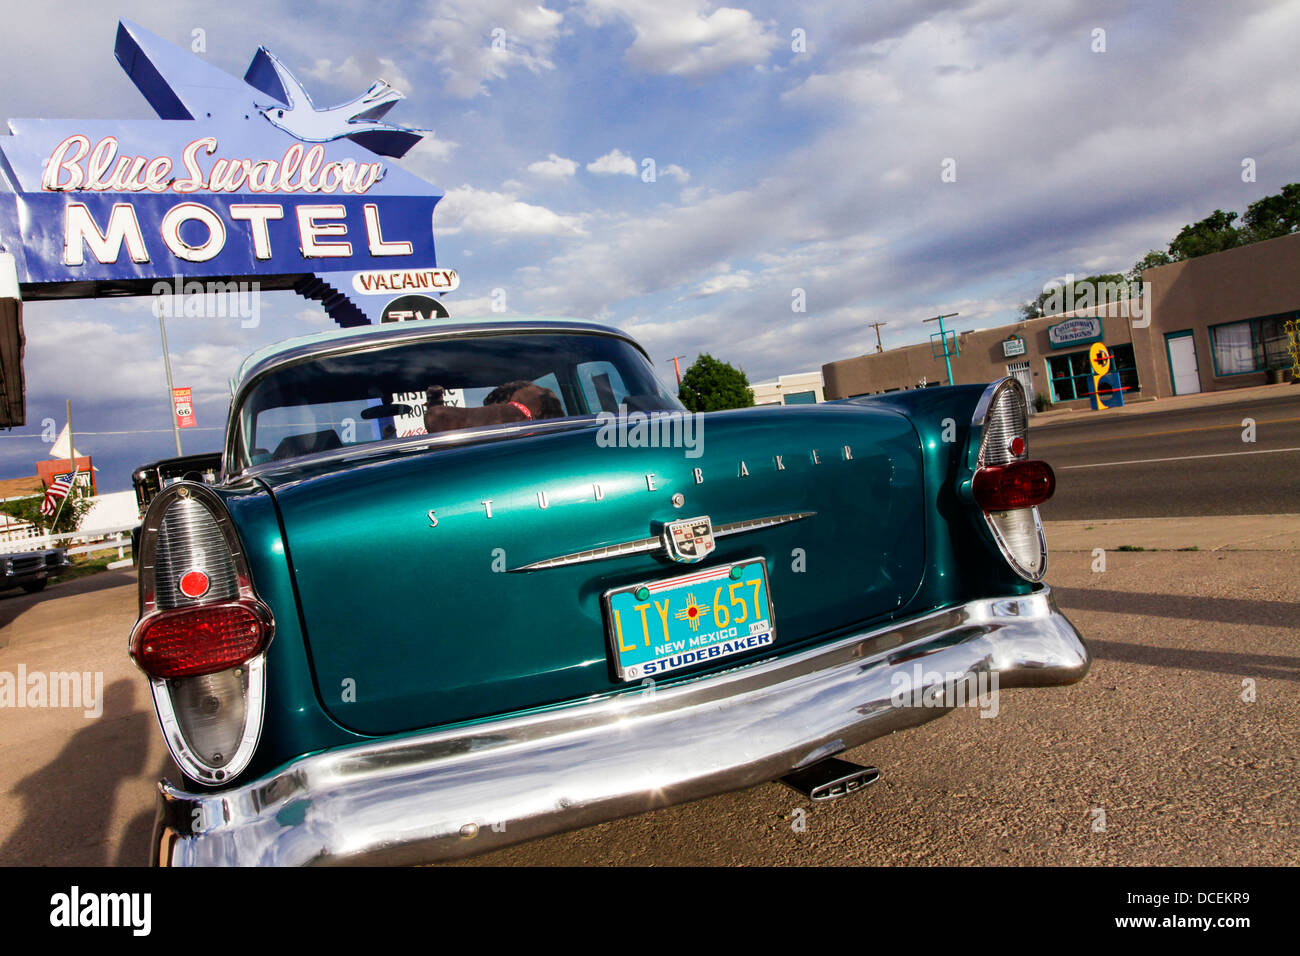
[(801, 388), (1205, 324)]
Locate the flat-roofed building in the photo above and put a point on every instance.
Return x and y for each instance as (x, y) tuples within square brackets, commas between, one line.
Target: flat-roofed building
[(1205, 324), (801, 388)]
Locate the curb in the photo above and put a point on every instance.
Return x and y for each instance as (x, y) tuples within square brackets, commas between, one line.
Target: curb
[(1198, 533)]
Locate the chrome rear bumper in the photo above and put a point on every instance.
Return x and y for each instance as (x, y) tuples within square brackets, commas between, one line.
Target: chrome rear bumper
[(455, 793)]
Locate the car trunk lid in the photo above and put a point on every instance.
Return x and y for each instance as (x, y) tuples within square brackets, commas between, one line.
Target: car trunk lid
[(407, 566)]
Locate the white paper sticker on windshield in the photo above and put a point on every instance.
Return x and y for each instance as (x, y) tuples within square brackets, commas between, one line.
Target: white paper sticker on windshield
[(413, 423)]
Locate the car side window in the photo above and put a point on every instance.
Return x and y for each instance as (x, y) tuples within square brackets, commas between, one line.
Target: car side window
[(549, 380), (602, 386), (294, 430)]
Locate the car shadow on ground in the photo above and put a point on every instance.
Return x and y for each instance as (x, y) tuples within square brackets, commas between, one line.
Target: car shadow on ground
[(68, 805), (1226, 610), (1220, 662), (16, 602), (1192, 607), (133, 848)]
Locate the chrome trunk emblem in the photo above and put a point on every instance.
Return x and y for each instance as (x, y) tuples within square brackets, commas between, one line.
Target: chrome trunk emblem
[(657, 545), (689, 540)]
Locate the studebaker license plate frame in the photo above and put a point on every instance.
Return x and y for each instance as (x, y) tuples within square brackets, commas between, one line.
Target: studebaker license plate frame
[(634, 613)]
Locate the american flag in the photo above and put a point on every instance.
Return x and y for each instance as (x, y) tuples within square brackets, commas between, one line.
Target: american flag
[(56, 493)]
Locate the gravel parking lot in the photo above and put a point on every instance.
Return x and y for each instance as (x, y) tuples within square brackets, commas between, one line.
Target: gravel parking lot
[(1158, 737)]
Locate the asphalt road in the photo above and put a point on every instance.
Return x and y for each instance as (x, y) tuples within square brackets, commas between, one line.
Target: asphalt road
[(1177, 462)]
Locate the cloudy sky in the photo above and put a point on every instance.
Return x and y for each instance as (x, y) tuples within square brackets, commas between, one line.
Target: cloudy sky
[(796, 146)]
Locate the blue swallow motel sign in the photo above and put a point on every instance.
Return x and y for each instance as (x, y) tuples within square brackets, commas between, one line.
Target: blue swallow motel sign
[(237, 179)]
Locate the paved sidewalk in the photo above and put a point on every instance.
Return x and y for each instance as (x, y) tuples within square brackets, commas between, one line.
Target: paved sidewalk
[(1202, 533), (1178, 402)]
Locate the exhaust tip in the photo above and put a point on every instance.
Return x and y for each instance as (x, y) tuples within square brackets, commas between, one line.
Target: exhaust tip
[(831, 778)]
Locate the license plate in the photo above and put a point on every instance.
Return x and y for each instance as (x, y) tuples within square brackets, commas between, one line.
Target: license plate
[(699, 618)]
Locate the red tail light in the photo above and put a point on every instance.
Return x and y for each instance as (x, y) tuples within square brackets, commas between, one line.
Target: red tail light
[(202, 634), (1020, 484), (189, 642)]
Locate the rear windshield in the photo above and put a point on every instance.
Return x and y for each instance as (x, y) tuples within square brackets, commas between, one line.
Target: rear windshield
[(440, 385)]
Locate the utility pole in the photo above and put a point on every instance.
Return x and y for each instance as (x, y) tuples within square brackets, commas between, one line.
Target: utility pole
[(677, 367), (171, 393), (72, 466), (943, 337), (876, 326)]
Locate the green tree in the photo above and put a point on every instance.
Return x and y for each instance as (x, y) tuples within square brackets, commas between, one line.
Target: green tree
[(1266, 218), (710, 385), (1088, 291), (1273, 216), (1152, 259), (1214, 233), (29, 509)]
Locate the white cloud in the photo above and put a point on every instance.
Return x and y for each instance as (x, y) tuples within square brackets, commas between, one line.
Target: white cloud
[(426, 157), (613, 163), (727, 282), (123, 360), (475, 41), (863, 86), (477, 306), (680, 38), (466, 209), (676, 172), (316, 317), (355, 74), (553, 167)]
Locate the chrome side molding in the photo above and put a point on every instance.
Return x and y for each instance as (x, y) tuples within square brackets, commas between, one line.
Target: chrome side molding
[(644, 545)]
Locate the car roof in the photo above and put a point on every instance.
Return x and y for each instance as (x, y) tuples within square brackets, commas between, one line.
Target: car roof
[(303, 346)]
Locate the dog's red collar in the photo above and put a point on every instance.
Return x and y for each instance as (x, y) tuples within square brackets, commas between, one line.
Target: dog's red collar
[(522, 408)]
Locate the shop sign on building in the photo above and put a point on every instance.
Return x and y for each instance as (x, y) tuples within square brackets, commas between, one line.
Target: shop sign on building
[(1074, 332)]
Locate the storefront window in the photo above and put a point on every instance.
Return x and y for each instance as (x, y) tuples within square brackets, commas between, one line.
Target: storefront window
[(1273, 341), (1234, 352), (1122, 361), (1251, 346), (1071, 374)]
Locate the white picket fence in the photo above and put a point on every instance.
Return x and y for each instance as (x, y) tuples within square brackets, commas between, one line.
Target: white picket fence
[(107, 524), (100, 539), (16, 530)]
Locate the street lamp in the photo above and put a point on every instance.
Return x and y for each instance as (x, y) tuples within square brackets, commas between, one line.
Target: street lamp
[(943, 337), (171, 392)]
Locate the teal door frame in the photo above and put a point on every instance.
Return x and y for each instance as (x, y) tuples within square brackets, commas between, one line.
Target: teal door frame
[(1169, 358)]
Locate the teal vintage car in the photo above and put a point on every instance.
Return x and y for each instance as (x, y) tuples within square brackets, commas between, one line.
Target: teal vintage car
[(466, 583)]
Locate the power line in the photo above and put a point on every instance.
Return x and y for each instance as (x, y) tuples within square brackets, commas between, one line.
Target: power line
[(137, 431)]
